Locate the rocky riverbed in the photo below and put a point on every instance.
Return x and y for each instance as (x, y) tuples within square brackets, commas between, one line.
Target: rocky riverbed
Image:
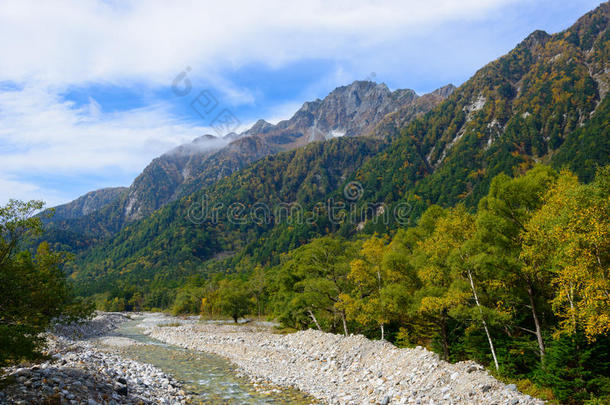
[(79, 372), (345, 370), (90, 364)]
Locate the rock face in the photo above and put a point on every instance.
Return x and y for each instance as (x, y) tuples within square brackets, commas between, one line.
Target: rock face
[(351, 110), (346, 370), (391, 124), (88, 203)]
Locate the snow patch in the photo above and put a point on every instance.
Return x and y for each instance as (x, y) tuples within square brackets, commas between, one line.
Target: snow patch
[(336, 133)]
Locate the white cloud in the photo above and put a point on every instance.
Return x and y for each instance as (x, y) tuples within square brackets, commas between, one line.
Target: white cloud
[(41, 133), (49, 47), (22, 190), (67, 42)]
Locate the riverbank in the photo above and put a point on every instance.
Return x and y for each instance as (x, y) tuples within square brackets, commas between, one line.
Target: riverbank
[(79, 371), (344, 370), (89, 364)]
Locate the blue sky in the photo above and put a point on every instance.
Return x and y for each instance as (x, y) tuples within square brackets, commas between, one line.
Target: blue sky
[(86, 97)]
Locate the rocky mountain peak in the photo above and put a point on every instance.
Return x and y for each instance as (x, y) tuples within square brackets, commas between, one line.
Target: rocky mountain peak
[(535, 39), (260, 126), (444, 91)]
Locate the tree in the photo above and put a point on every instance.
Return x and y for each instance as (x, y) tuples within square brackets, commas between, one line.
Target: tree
[(318, 282), (234, 298), (367, 272), (440, 293), (34, 290), (17, 224), (578, 369), (569, 237), (258, 286), (501, 228), (455, 231)]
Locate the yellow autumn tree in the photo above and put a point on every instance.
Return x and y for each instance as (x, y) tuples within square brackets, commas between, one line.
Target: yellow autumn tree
[(570, 237), (365, 304)]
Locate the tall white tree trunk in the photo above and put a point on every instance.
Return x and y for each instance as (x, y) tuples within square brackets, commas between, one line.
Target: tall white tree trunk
[(344, 323), (476, 299), (538, 330), (313, 317)]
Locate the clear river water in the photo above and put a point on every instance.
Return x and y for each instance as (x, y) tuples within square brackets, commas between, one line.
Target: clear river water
[(208, 378)]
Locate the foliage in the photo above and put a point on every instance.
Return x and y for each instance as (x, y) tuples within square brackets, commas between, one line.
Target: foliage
[(577, 369), (498, 259), (570, 238), (234, 298), (34, 289)]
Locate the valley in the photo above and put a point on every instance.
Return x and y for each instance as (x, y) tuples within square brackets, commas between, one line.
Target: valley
[(364, 244)]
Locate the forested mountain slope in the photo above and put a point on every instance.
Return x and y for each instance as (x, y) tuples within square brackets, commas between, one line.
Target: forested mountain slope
[(178, 238), (88, 203), (542, 102), (523, 108), (352, 110)]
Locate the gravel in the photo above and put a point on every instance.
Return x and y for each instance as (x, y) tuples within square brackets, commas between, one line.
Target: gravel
[(101, 324), (345, 370), (78, 372), (332, 368)]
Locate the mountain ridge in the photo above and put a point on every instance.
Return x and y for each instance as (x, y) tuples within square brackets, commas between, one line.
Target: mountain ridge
[(518, 110), (351, 110)]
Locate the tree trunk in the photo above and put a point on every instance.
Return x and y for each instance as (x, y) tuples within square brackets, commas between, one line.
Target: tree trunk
[(476, 299), (572, 313), (530, 293), (314, 319), (444, 338), (344, 323), (381, 305)]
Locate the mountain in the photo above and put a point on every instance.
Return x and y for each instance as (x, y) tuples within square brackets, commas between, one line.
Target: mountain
[(88, 203), (347, 111), (526, 107), (545, 101), (159, 182), (177, 238), (390, 125), (351, 110)]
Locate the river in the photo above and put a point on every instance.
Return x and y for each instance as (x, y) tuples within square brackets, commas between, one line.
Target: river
[(207, 378)]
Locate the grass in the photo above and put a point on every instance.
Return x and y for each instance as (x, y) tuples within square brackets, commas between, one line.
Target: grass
[(283, 330), (169, 324), (528, 387)]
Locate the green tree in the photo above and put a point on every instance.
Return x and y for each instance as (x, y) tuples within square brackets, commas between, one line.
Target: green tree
[(451, 245), (34, 290), (234, 298), (318, 273), (258, 286), (501, 228), (365, 304), (577, 369), (440, 292)]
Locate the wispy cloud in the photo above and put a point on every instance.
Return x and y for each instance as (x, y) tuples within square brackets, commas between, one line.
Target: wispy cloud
[(51, 48), (66, 42), (41, 133)]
